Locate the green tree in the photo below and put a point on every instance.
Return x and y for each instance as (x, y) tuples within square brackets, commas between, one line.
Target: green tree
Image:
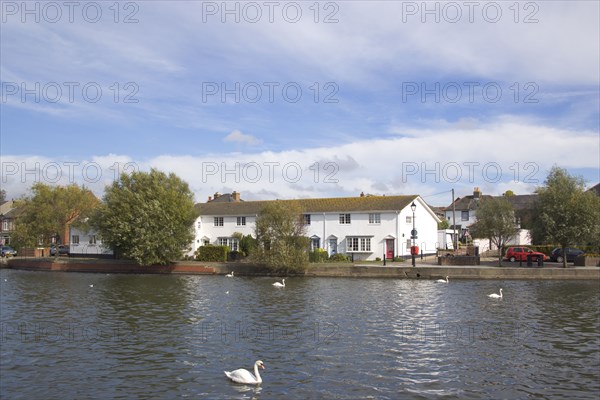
[(443, 224), (147, 217), (495, 220), (2, 196), (49, 211), (565, 213), (246, 243), (281, 242)]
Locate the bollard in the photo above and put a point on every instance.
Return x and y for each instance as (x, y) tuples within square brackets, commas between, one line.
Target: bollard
[(540, 261), (529, 263)]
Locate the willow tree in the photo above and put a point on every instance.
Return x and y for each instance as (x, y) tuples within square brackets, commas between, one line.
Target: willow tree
[(495, 220), (281, 242), (147, 217), (46, 215), (565, 213)]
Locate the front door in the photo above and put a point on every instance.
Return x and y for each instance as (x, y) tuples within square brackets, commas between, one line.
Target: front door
[(332, 246), (389, 246)]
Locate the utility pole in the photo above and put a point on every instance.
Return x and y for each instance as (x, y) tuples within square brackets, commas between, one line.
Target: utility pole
[(454, 243)]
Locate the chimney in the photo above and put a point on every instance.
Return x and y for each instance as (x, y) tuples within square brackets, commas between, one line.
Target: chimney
[(362, 194), (476, 193), (217, 194), (209, 198), (236, 196)]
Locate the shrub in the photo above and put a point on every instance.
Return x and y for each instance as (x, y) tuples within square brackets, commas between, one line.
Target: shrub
[(212, 253), (339, 258), (234, 256), (317, 256)]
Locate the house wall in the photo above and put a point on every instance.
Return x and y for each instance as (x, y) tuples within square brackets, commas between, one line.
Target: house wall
[(86, 245)]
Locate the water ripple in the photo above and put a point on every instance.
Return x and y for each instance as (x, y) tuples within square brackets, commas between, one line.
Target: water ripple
[(156, 337)]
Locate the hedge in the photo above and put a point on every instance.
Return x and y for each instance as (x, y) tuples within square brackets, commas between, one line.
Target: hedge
[(212, 253)]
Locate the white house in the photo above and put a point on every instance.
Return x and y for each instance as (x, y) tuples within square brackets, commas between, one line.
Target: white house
[(87, 244), (364, 227)]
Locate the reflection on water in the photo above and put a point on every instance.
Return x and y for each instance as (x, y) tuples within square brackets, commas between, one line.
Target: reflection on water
[(149, 336)]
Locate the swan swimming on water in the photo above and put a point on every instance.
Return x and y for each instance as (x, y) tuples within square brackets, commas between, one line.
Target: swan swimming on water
[(495, 295), (230, 275), (244, 376), (442, 281), (278, 284)]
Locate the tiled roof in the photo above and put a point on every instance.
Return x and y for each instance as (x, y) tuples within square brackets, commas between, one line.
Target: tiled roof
[(519, 202), (595, 189), (334, 204)]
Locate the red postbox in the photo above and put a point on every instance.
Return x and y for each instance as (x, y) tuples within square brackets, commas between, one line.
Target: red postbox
[(414, 250)]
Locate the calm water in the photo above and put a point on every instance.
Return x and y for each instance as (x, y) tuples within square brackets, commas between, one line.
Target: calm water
[(164, 337)]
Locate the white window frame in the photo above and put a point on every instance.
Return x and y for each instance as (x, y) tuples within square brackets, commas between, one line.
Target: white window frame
[(358, 244), (375, 218), (219, 221), (306, 219), (345, 219), (241, 221), (231, 242)]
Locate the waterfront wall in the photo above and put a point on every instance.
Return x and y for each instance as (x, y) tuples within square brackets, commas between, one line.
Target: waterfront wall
[(314, 270)]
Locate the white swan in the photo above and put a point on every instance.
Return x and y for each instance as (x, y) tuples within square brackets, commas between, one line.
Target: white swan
[(230, 275), (282, 284), (442, 281), (495, 295), (244, 376)]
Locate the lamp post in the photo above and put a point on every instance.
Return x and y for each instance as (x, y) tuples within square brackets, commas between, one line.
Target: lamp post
[(413, 233)]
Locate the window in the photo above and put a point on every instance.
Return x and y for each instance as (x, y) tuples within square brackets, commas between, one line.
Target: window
[(5, 225), (344, 218), (229, 241), (464, 215), (408, 244), (75, 239), (408, 219), (315, 243), (359, 244), (241, 221), (199, 225), (92, 239), (306, 219), (218, 221), (374, 218), (353, 244), (365, 244), (206, 242)]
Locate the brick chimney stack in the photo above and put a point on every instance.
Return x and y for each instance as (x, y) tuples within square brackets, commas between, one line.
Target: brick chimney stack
[(236, 196), (476, 193)]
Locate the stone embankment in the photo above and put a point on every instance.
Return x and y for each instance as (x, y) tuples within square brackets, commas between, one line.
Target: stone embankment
[(395, 270)]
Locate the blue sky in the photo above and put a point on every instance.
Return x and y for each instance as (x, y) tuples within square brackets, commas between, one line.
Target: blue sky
[(301, 99)]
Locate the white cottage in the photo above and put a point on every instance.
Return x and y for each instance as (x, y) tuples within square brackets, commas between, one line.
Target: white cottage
[(364, 227), (87, 243)]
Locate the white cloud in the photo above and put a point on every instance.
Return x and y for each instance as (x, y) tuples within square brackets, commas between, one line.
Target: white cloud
[(241, 138), (505, 154)]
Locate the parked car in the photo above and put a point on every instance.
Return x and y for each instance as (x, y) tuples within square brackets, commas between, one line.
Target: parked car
[(8, 251), (62, 250), (557, 254), (520, 254)]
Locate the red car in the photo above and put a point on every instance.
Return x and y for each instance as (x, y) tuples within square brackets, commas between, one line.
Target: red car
[(520, 254)]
